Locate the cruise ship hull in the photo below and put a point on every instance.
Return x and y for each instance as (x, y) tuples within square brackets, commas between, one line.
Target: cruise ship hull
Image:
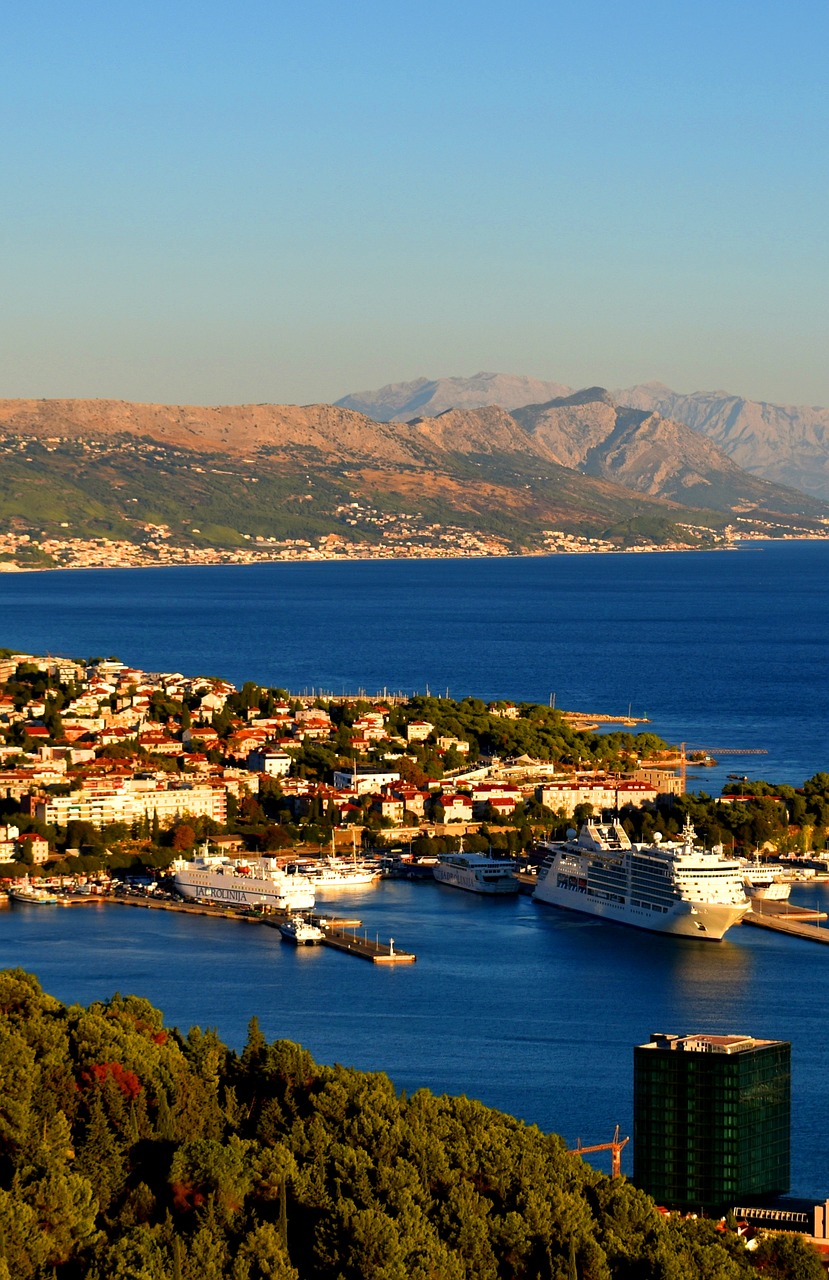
[(706, 920), (671, 887)]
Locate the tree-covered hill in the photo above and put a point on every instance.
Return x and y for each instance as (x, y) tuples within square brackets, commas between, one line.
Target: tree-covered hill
[(129, 1151)]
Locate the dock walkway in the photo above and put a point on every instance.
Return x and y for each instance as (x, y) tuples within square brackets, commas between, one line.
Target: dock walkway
[(336, 929), (365, 948), (781, 917)]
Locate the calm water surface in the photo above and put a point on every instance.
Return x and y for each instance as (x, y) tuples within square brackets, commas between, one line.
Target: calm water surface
[(718, 649), (532, 1010)]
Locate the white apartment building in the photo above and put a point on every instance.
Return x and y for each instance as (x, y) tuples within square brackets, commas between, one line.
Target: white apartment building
[(607, 795), (131, 801), (276, 764), (362, 784)]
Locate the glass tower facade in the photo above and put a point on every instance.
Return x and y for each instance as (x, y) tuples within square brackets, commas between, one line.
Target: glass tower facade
[(711, 1120)]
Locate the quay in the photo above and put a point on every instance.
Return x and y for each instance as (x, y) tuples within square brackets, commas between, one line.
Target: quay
[(798, 922), (336, 935), (364, 948)]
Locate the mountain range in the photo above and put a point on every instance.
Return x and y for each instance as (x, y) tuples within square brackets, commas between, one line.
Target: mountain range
[(783, 443), (217, 476)]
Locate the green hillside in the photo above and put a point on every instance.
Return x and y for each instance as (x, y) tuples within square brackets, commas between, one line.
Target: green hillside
[(130, 1151), (123, 487)]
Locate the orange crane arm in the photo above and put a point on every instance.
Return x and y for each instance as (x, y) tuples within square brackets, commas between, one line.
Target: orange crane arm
[(615, 1147)]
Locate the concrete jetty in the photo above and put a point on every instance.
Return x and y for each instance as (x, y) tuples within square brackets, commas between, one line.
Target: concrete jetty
[(336, 929), (365, 948), (782, 917)]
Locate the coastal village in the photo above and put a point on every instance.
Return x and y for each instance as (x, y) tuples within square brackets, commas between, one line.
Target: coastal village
[(108, 768), (141, 757), (406, 537), (403, 537)]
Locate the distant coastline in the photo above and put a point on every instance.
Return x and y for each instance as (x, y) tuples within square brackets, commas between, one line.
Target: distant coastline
[(188, 561)]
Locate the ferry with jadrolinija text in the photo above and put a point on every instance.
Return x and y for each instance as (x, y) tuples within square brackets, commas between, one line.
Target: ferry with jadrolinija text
[(248, 882), (670, 886)]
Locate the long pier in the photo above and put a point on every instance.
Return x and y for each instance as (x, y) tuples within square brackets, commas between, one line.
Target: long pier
[(335, 929), (798, 922), (366, 949)]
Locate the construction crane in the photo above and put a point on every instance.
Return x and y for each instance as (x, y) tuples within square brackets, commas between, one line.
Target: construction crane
[(615, 1147)]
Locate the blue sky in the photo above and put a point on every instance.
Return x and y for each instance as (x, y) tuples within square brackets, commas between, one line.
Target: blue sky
[(215, 203)]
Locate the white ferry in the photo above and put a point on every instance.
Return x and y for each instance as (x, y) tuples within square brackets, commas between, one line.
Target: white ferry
[(763, 880), (668, 887), (476, 872), (36, 897), (244, 882)]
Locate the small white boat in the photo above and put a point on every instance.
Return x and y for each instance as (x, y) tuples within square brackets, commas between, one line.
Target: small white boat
[(301, 933)]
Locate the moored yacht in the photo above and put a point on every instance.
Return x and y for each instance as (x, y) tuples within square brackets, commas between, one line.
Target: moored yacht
[(670, 886), (334, 874)]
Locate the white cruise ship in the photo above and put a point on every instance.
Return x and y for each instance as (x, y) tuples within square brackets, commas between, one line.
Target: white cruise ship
[(249, 882), (668, 887), (476, 872)]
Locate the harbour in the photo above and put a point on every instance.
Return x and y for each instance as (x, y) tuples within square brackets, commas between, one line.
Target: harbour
[(504, 999)]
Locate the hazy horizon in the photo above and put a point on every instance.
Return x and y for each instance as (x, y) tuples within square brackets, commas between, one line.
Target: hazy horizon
[(284, 205)]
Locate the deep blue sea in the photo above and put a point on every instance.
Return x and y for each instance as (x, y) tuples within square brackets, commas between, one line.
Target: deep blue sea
[(718, 649), (532, 1010)]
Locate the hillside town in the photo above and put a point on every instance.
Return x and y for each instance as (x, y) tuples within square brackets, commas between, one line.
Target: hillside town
[(402, 537), (100, 759)]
